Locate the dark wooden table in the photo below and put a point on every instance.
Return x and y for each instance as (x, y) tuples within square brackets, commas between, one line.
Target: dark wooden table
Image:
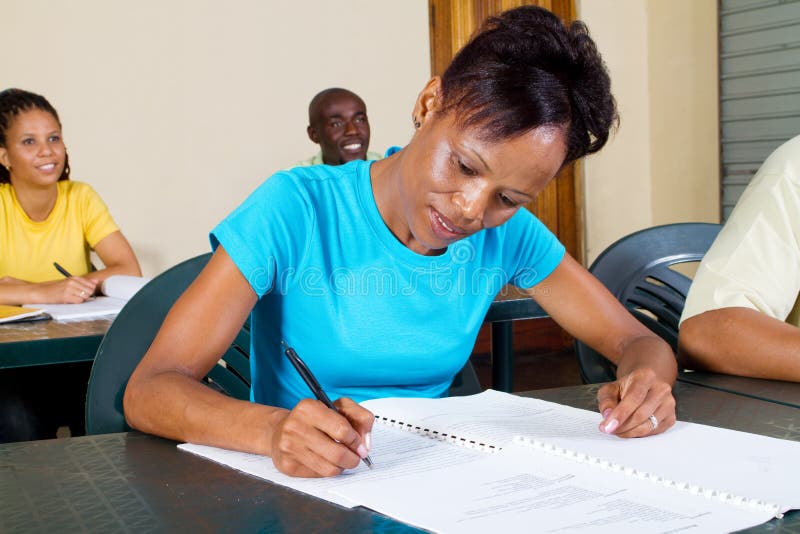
[(510, 305), (50, 342), (137, 483)]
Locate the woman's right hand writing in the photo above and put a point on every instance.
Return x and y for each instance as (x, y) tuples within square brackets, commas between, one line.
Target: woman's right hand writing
[(73, 290), (314, 441)]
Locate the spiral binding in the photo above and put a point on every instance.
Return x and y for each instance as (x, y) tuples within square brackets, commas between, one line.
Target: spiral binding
[(708, 493), (435, 434)]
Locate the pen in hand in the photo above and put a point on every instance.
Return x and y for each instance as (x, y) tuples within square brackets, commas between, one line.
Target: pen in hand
[(61, 270), (309, 379), (85, 294)]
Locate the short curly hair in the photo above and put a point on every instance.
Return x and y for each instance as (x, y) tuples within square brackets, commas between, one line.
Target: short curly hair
[(525, 69), (12, 103)]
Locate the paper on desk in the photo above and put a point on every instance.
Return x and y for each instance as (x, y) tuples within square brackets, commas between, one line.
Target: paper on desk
[(400, 454), (95, 307), (523, 490), (118, 289), (751, 465), (262, 467), (658, 484)]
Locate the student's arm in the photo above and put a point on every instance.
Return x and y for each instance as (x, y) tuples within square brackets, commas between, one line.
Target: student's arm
[(66, 291), (114, 251), (165, 396), (740, 341), (646, 367), (117, 256), (748, 282)]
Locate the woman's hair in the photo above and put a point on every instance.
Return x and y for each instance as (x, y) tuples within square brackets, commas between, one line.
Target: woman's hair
[(16, 101), (525, 69)]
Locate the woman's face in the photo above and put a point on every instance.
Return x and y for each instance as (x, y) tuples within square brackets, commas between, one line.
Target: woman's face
[(34, 149), (454, 184)]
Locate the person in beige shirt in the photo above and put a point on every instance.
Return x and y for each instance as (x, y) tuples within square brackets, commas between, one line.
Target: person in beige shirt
[(742, 313)]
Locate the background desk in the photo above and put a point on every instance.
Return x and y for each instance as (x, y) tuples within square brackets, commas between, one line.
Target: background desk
[(48, 342), (511, 304), (134, 482), (777, 391)]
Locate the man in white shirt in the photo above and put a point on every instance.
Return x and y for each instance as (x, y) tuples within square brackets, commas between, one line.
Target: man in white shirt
[(742, 314)]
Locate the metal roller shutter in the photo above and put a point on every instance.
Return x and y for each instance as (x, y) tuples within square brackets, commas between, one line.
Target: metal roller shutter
[(759, 86)]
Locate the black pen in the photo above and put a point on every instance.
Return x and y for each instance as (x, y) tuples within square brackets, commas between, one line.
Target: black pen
[(309, 379), (61, 270)]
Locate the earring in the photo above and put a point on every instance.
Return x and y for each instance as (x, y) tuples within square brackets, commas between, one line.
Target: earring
[(416, 122)]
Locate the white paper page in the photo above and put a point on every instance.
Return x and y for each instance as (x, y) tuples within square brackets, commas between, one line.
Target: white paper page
[(262, 467), (95, 307), (395, 454), (750, 465), (122, 286), (490, 417), (520, 490)]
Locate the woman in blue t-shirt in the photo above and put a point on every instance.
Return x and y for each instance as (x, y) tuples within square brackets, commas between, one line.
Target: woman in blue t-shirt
[(380, 273)]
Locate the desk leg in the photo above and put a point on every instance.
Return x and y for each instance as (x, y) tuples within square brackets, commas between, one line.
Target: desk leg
[(502, 356)]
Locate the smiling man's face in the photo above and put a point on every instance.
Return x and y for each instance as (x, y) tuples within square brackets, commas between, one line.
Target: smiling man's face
[(340, 126)]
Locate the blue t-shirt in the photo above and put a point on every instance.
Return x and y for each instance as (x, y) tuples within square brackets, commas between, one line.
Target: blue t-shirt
[(370, 317)]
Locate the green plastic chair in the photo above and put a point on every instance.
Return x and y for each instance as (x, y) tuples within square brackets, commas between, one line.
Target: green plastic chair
[(465, 382), (130, 336), (136, 326), (637, 271)]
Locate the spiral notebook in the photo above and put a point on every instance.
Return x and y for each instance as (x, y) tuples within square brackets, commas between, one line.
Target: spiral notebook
[(117, 290), (504, 463), (16, 314)]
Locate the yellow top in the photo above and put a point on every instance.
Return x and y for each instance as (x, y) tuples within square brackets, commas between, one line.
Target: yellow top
[(755, 261), (79, 220)]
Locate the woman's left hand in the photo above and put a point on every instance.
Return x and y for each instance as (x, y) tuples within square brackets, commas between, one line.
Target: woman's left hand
[(637, 404), (646, 366)]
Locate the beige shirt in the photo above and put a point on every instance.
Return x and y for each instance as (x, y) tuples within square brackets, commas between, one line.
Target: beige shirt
[(755, 261)]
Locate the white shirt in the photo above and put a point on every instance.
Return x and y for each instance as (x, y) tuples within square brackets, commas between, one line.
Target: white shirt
[(755, 261)]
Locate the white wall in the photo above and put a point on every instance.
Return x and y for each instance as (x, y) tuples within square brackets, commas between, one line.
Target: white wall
[(662, 165), (684, 110), (617, 182), (175, 111)]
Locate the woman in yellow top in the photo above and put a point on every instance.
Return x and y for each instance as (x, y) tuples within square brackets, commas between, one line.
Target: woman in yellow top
[(45, 218)]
